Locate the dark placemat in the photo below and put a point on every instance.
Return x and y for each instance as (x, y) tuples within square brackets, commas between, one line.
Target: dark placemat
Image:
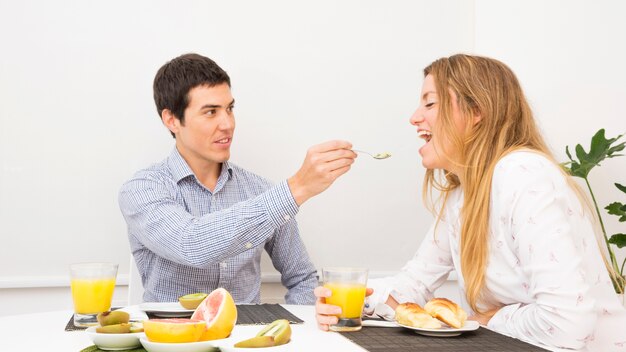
[(253, 314), (376, 339), (247, 314)]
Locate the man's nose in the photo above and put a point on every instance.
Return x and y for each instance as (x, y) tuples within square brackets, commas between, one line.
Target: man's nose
[(227, 120)]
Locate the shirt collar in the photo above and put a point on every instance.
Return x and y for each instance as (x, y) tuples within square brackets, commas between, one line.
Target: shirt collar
[(180, 169)]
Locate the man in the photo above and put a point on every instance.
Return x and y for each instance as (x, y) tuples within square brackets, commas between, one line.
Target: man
[(197, 221)]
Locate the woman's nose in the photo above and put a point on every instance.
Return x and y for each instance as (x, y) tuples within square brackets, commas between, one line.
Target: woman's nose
[(417, 117)]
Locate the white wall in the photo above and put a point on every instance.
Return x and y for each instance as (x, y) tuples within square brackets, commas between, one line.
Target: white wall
[(77, 117), (570, 58)]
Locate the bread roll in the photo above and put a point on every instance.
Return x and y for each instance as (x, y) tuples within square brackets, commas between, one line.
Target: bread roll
[(446, 311), (412, 314)]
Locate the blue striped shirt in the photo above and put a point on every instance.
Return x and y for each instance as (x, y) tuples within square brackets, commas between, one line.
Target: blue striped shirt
[(187, 239)]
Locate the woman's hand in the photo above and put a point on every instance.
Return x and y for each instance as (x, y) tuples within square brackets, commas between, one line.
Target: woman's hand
[(483, 318), (326, 314)]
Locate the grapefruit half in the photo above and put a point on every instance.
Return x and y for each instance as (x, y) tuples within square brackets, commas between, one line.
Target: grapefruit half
[(219, 312), (174, 330)]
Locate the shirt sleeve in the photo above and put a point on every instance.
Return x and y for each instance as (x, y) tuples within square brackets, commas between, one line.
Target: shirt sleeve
[(290, 258), (166, 228), (548, 245), (422, 275)]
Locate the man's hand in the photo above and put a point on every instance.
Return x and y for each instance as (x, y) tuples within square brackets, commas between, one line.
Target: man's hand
[(323, 164)]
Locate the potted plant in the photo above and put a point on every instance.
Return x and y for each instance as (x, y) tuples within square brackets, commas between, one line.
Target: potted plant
[(600, 149)]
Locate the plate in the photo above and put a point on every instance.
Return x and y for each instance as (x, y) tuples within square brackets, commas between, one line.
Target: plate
[(203, 346), (114, 342), (228, 345), (166, 309), (470, 325)]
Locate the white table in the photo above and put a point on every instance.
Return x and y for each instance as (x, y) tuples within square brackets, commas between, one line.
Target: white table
[(45, 332)]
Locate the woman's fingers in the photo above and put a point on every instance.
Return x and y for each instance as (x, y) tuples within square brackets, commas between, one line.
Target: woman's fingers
[(325, 314)]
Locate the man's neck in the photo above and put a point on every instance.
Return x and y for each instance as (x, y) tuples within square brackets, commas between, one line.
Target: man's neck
[(207, 172), (208, 175)]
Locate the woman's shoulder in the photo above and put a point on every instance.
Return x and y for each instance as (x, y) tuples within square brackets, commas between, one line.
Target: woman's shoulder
[(523, 167)]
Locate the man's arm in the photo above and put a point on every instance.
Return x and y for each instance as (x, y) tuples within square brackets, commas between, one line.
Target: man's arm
[(165, 227), (291, 259)]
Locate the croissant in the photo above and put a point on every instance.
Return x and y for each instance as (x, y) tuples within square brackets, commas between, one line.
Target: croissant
[(414, 315), (446, 311)]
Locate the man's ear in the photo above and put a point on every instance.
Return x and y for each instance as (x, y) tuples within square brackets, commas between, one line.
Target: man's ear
[(170, 121)]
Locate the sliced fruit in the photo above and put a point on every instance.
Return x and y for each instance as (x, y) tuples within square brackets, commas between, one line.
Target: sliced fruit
[(174, 330), (192, 301), (112, 317), (256, 342), (123, 328), (279, 329), (136, 327), (219, 312)]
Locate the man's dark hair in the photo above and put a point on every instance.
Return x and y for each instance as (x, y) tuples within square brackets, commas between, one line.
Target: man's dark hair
[(177, 77)]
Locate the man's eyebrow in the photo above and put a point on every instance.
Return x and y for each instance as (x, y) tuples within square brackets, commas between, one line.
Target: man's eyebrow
[(214, 106)]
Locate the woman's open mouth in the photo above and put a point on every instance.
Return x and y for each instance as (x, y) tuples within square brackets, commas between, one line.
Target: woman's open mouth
[(425, 135)]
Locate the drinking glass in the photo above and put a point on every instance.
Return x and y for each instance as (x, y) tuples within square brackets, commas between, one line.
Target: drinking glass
[(92, 290), (348, 292)]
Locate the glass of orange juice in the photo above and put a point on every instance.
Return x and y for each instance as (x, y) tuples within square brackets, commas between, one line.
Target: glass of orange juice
[(348, 292), (92, 290)]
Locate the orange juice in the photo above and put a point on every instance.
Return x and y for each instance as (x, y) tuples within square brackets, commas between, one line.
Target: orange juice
[(350, 297), (92, 295)]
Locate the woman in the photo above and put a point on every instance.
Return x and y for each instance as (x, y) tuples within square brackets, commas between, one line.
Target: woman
[(509, 221)]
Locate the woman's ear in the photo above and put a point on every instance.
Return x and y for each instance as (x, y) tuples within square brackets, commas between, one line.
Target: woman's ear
[(476, 119), (170, 121)]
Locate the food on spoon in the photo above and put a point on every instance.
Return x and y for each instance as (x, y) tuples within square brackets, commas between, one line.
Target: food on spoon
[(174, 330), (446, 311), (123, 328), (412, 314), (192, 301), (256, 342), (383, 155), (113, 317), (219, 312)]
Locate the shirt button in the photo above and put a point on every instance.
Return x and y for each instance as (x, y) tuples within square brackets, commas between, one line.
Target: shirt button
[(248, 245), (287, 217), (223, 264)]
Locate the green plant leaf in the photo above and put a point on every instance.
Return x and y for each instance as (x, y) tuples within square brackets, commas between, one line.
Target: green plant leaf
[(600, 149), (618, 239), (620, 187), (617, 208)]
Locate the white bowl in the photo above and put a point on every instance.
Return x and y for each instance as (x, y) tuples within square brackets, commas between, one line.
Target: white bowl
[(203, 346), (114, 342)]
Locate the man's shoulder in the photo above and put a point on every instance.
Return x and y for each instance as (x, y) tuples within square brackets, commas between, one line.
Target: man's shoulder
[(158, 172), (247, 176)]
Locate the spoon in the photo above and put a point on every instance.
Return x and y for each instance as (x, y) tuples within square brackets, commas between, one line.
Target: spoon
[(379, 156)]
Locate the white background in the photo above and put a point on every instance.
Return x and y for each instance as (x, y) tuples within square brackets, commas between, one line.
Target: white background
[(78, 119)]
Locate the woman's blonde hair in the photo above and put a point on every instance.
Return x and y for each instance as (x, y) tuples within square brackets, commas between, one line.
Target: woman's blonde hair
[(498, 120)]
